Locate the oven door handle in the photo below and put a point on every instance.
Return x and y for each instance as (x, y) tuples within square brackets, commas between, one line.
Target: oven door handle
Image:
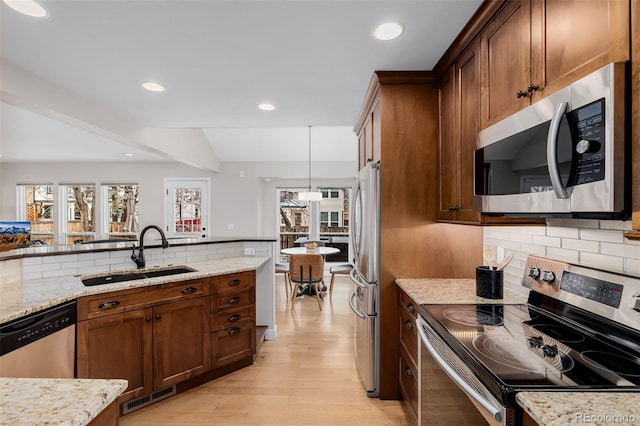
[(495, 412)]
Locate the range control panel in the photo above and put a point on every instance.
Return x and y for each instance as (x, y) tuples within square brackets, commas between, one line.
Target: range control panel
[(592, 288)]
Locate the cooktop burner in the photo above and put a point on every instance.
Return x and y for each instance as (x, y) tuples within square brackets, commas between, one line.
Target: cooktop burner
[(475, 315), (624, 365), (559, 332)]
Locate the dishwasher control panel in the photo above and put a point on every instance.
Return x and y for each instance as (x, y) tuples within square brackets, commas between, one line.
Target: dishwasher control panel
[(21, 332)]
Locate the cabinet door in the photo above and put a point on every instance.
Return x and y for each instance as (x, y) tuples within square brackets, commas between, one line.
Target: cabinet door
[(118, 347), (571, 39), (468, 92), (181, 341), (506, 62), (448, 149)]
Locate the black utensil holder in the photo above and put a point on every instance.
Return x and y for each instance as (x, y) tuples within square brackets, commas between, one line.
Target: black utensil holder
[(489, 282)]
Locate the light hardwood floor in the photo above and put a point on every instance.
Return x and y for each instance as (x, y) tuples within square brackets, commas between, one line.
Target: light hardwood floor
[(307, 376)]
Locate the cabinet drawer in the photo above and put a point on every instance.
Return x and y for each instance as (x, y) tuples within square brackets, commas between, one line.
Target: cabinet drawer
[(233, 300), (409, 334), (233, 343), (126, 300), (230, 317), (409, 304), (233, 282), (409, 382)]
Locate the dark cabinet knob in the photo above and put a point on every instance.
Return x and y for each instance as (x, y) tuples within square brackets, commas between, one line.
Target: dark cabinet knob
[(408, 372), (521, 94), (411, 308), (158, 316), (147, 319), (532, 88), (408, 324)]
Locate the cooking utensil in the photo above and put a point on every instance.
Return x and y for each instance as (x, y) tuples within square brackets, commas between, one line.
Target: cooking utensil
[(489, 257), (505, 261)]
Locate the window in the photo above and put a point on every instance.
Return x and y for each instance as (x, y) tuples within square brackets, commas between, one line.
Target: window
[(330, 219), (80, 214), (35, 205), (187, 207), (330, 193), (121, 221)]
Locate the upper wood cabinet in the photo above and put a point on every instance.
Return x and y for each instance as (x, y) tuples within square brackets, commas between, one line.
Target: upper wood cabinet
[(369, 138), (459, 102), (532, 48)]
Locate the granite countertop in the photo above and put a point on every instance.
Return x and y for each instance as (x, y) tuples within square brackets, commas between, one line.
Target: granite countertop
[(26, 297), (563, 408), (55, 401), (451, 290)]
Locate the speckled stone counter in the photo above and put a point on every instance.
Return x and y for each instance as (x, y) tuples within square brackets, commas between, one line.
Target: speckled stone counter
[(25, 297), (563, 408), (451, 290), (55, 401)]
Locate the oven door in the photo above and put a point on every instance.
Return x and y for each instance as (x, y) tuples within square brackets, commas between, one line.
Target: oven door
[(448, 391)]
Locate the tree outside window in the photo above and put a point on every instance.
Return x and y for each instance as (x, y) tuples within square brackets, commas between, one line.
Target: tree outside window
[(122, 201), (81, 218), (36, 206)]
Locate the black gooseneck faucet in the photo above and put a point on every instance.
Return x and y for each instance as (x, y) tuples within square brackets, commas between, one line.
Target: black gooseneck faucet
[(139, 258)]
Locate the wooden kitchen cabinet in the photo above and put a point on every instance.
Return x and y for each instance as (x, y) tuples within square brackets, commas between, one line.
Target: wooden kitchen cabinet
[(532, 48), (408, 352), (233, 318), (369, 138), (459, 99), (152, 337)]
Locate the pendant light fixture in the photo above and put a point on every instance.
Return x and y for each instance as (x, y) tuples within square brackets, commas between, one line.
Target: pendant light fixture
[(310, 195)]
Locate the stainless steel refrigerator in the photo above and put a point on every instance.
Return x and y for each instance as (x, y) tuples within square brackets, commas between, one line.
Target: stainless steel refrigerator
[(365, 236)]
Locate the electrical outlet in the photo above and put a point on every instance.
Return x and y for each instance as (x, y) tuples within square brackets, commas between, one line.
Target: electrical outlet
[(249, 252)]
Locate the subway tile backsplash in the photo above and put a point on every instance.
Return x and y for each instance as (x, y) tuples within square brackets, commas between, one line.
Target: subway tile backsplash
[(31, 268), (593, 243)]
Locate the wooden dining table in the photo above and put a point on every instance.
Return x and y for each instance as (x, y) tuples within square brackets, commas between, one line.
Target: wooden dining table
[(303, 250)]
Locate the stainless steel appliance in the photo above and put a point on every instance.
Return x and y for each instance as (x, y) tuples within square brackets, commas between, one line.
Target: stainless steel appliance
[(41, 345), (565, 155), (579, 330), (365, 234)]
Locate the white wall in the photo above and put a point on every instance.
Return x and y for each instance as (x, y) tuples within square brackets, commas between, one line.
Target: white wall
[(239, 193), (596, 244)]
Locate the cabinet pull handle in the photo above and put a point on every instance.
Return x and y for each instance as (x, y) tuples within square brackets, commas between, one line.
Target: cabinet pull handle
[(407, 372), (233, 318), (109, 304), (158, 316), (411, 308), (532, 88), (409, 325), (521, 94), (234, 330), (235, 299), (188, 290), (147, 319), (234, 283)]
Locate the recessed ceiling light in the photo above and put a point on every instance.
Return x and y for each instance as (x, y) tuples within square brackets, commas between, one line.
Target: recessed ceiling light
[(388, 31), (153, 86), (267, 107), (127, 154), (27, 7)]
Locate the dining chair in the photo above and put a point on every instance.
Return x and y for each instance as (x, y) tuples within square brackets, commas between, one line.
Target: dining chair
[(283, 268), (343, 268), (306, 273)]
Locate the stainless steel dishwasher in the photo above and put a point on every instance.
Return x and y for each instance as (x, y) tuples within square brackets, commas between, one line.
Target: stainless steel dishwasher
[(41, 344)]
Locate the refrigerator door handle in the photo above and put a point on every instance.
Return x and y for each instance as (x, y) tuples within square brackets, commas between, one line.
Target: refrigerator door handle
[(356, 235), (354, 277), (355, 308)]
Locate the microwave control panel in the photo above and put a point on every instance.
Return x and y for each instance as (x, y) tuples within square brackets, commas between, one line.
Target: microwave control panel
[(589, 141)]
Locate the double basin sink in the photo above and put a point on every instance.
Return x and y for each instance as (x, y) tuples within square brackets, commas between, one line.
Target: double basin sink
[(134, 275)]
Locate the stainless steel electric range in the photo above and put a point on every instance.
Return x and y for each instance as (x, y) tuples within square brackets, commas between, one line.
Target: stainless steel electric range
[(579, 330)]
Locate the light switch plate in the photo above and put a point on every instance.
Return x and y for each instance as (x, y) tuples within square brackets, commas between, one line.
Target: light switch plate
[(249, 252)]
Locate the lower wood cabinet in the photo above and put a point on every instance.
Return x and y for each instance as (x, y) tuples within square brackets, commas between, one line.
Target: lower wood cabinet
[(152, 337), (233, 318), (408, 353)]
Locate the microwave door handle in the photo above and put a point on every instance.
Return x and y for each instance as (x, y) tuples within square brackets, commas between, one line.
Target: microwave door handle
[(552, 151), (495, 412)]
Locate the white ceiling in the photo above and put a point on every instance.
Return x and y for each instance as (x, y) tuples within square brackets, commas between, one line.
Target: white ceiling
[(218, 60)]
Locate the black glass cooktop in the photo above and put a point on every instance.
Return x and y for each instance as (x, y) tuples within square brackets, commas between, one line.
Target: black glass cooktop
[(522, 347)]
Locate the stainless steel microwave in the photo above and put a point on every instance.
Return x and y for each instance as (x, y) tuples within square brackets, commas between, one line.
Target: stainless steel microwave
[(565, 155)]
